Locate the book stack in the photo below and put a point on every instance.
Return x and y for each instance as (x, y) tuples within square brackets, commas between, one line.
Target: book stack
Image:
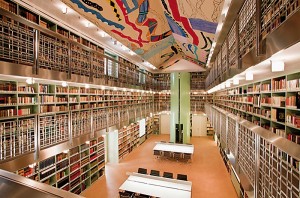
[(278, 101), (278, 85), (266, 100), (290, 101), (293, 120), (265, 87), (293, 84), (280, 132), (294, 138)]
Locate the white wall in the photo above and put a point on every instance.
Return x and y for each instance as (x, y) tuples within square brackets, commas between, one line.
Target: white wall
[(199, 127), (164, 124)]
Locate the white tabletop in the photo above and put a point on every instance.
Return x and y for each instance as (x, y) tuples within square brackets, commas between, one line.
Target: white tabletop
[(157, 186), (181, 148)]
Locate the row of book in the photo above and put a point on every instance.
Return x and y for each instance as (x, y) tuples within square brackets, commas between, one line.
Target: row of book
[(278, 84), (278, 131), (293, 101), (293, 84), (294, 138), (26, 100), (8, 100), (293, 120), (25, 88), (7, 86), (278, 115)]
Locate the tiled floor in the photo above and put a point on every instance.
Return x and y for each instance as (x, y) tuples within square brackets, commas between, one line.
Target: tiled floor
[(206, 171)]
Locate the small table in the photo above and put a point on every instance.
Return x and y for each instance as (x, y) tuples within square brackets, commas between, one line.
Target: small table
[(157, 186)]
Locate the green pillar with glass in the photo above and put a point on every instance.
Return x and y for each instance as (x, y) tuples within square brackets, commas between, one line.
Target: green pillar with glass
[(180, 107)]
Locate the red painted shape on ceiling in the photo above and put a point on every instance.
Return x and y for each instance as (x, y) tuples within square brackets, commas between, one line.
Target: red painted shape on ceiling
[(183, 20)]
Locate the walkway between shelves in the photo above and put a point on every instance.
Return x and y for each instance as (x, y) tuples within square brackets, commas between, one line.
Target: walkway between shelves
[(207, 170)]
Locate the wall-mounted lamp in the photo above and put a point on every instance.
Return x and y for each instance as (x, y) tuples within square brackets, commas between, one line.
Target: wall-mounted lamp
[(65, 10), (249, 76), (223, 86), (277, 66), (236, 81), (30, 81), (228, 84), (64, 84)]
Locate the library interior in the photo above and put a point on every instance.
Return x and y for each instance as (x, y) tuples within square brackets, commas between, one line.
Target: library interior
[(150, 98)]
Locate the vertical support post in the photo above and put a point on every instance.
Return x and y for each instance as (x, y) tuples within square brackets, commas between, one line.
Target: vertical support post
[(259, 50), (91, 68), (36, 138), (92, 134), (70, 128), (236, 157), (69, 61), (36, 42), (237, 27), (257, 162)]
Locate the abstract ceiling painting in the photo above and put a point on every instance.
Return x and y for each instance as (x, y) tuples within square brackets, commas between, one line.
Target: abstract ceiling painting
[(160, 31)]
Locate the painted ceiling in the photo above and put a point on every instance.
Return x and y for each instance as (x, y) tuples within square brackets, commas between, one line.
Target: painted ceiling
[(160, 31)]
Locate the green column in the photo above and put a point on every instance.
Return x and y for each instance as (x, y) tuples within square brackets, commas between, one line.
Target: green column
[(174, 104), (180, 105), (185, 105)]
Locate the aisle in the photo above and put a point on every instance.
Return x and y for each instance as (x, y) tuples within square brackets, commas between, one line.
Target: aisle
[(207, 171)]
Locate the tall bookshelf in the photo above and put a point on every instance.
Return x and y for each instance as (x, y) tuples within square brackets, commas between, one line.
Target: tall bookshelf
[(272, 104), (54, 108), (128, 139), (73, 170), (60, 50), (271, 167)]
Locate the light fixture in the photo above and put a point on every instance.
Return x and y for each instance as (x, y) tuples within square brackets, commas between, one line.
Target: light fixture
[(236, 81), (87, 142), (103, 34), (65, 151), (123, 47), (277, 66), (32, 165), (228, 84), (87, 86), (30, 81), (65, 10), (223, 86), (64, 84), (131, 53), (249, 76)]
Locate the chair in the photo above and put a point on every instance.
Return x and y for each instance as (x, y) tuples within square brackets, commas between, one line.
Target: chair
[(187, 156), (167, 154), (154, 172), (137, 195), (177, 156), (182, 177), (157, 153), (168, 175), (125, 194), (142, 171)]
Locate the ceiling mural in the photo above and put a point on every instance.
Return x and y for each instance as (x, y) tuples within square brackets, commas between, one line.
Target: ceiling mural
[(160, 31)]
